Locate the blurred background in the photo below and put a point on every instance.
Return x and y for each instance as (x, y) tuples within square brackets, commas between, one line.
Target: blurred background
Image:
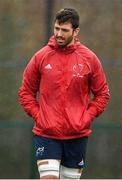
[(25, 27)]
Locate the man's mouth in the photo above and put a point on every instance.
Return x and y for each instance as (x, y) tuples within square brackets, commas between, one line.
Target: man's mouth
[(60, 39)]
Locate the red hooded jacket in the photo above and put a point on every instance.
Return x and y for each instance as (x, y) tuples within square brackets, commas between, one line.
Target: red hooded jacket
[(64, 79)]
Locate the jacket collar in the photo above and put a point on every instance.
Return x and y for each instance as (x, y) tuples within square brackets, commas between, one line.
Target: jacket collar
[(68, 49)]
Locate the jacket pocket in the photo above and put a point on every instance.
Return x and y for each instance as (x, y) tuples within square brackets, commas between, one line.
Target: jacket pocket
[(48, 123), (87, 120)]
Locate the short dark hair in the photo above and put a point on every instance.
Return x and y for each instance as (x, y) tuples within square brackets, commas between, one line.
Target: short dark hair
[(68, 15)]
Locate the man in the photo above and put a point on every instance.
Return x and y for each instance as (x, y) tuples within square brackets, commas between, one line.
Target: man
[(64, 73)]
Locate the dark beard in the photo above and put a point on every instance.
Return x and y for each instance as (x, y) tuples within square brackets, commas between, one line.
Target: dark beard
[(69, 40)]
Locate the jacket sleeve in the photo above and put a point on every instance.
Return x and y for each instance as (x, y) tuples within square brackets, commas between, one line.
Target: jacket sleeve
[(99, 88), (29, 88)]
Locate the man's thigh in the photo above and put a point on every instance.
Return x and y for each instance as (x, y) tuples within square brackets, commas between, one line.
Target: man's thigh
[(48, 155), (46, 148), (74, 153)]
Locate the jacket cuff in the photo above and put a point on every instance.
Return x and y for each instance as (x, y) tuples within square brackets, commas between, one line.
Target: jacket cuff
[(34, 112), (93, 110)]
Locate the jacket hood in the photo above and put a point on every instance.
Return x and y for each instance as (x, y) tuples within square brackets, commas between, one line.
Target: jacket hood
[(68, 49)]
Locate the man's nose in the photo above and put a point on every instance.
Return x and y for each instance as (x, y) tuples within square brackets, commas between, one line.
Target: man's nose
[(59, 33)]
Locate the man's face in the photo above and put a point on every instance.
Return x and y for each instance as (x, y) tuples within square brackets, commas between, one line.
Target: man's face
[(64, 33)]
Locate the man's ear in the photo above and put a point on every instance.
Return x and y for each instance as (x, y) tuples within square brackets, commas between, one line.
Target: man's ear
[(76, 32)]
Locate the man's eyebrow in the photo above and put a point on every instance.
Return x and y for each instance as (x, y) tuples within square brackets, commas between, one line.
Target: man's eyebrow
[(64, 29)]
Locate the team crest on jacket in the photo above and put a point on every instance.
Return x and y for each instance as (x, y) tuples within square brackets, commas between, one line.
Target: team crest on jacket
[(79, 70)]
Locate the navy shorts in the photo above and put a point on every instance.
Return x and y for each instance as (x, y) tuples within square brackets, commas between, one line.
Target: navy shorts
[(71, 152)]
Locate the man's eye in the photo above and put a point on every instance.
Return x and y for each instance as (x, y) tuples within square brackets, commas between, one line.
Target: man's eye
[(66, 30), (56, 28)]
